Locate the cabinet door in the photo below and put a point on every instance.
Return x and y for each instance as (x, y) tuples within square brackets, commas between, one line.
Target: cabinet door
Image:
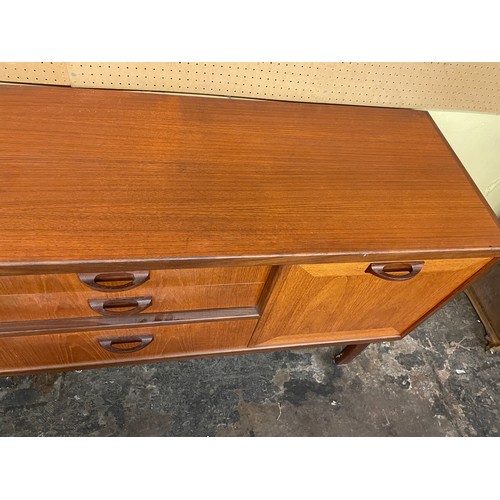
[(329, 303)]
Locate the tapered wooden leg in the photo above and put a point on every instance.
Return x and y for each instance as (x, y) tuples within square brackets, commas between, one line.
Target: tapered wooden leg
[(349, 353)]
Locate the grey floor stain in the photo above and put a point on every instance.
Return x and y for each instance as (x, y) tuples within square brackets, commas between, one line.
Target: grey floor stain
[(439, 381)]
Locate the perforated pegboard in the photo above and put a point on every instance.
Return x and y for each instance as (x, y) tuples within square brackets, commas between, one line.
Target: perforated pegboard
[(433, 86), (471, 86), (38, 73)]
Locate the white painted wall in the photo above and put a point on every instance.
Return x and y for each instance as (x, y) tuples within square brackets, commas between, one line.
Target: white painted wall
[(475, 138)]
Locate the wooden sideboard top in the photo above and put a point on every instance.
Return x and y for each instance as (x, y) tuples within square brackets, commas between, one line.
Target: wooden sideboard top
[(93, 177)]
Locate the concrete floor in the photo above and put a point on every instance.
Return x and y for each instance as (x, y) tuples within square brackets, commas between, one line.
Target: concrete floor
[(439, 381)]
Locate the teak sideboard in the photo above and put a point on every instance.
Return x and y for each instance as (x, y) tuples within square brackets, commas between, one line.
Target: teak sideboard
[(143, 227)]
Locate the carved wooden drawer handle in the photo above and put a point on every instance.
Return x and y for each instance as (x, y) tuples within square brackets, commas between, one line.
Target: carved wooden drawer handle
[(104, 281), (115, 307), (384, 270), (109, 344)]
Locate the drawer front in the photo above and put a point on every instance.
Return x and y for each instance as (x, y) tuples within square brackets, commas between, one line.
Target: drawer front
[(94, 348), (65, 296), (321, 303), (30, 307), (59, 283)]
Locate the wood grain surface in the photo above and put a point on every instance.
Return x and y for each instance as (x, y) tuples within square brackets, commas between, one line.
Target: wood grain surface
[(319, 303), (51, 296), (25, 307), (158, 279), (93, 177), (146, 319), (66, 351)]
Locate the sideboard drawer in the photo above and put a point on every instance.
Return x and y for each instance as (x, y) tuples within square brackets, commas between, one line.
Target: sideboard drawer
[(66, 351), (31, 307), (39, 297), (144, 280)]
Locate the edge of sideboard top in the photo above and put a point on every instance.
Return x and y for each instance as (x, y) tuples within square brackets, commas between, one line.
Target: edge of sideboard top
[(56, 267)]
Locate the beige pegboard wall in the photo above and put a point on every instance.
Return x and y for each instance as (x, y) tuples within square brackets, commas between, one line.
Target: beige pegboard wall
[(37, 73), (433, 86)]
